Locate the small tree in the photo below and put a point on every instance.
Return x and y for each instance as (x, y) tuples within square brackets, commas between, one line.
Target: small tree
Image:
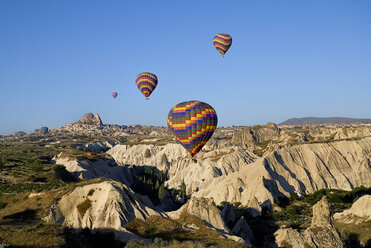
[(157, 185), (183, 189), (161, 191)]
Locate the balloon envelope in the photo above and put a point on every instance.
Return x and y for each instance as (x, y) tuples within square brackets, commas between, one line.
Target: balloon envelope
[(44, 130), (192, 123), (146, 83), (222, 42), (114, 94)]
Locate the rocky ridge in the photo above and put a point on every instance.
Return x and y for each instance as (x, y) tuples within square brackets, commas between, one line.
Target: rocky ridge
[(359, 212), (301, 169), (321, 233), (105, 206)]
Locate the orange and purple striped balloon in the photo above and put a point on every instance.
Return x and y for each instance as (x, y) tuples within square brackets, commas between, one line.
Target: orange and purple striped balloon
[(146, 83), (192, 123), (222, 42)]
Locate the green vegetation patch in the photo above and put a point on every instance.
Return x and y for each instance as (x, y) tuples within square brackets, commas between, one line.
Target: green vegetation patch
[(172, 232), (83, 207)]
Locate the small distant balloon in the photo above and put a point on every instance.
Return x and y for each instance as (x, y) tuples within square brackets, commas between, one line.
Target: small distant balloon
[(222, 42), (146, 83), (44, 130), (192, 123), (114, 94)]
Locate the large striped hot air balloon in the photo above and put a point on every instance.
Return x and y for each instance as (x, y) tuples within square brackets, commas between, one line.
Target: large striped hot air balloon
[(192, 123), (222, 42), (146, 83)]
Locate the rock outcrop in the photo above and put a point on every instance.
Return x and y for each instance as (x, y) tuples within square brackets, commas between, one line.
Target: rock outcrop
[(167, 203), (87, 169), (98, 146), (150, 155), (228, 214), (302, 169), (288, 237), (205, 209), (243, 230), (209, 165), (101, 206), (90, 119), (254, 209), (322, 232), (359, 212), (255, 135)]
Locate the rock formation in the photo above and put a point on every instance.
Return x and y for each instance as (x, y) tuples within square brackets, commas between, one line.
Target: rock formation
[(87, 169), (322, 232), (302, 169), (359, 212), (150, 155), (98, 146), (167, 203), (253, 209), (288, 237), (255, 135), (243, 230), (101, 206), (90, 119), (205, 209), (209, 165), (228, 214)]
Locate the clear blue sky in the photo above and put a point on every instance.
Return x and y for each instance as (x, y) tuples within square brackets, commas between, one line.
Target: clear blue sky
[(61, 59)]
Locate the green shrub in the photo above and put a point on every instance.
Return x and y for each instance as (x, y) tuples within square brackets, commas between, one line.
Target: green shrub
[(151, 229), (237, 204), (83, 207), (282, 201), (36, 166)]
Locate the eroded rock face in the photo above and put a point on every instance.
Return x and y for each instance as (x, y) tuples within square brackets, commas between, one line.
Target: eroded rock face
[(150, 155), (243, 230), (288, 237), (302, 169), (252, 136), (228, 214), (87, 169), (90, 119), (101, 206), (359, 212), (98, 146), (209, 165), (322, 232), (167, 203), (205, 209)]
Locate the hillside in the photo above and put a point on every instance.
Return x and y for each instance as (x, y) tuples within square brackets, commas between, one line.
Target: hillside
[(257, 186), (322, 120)]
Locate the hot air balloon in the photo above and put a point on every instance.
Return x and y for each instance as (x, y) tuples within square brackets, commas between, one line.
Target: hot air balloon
[(146, 83), (44, 130), (192, 123), (114, 94), (222, 42)]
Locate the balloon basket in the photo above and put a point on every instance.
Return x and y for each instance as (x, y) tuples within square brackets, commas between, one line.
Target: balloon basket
[(147, 98)]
